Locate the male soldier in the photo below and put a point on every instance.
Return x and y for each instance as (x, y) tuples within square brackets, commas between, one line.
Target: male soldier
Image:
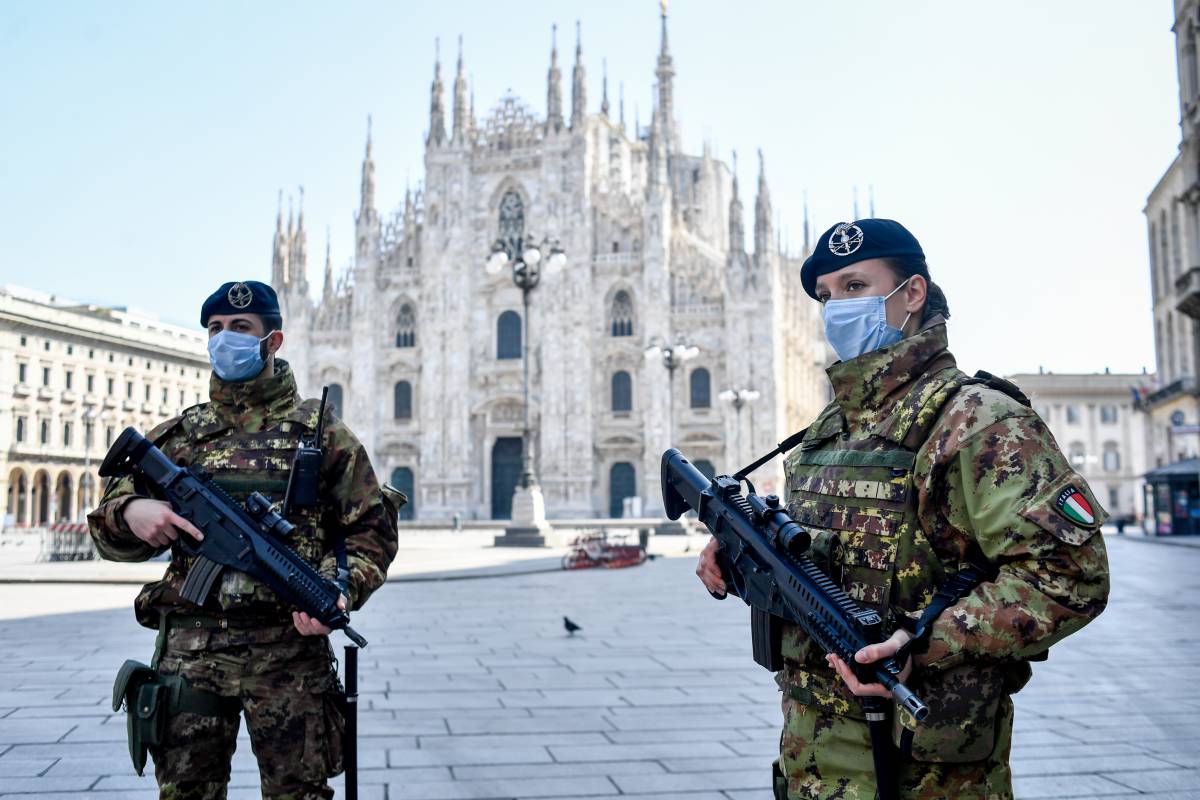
[(244, 645), (916, 474)]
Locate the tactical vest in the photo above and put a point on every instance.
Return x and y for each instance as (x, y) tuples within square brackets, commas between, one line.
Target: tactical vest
[(242, 462), (856, 496)]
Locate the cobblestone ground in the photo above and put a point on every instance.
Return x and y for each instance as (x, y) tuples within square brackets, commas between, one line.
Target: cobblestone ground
[(471, 689)]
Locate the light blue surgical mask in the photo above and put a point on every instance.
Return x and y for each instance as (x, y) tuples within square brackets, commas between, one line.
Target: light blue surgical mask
[(859, 325), (236, 357)]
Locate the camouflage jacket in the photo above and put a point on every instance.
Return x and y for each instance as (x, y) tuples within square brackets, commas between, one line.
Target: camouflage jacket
[(912, 471), (246, 438)]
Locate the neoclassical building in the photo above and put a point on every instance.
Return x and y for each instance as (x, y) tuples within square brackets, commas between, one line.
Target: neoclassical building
[(422, 348), (72, 377)]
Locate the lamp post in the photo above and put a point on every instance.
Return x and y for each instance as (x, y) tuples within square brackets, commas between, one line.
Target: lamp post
[(738, 398), (671, 356), (524, 257)]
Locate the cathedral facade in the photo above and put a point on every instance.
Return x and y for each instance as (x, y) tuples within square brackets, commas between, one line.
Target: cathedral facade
[(422, 347)]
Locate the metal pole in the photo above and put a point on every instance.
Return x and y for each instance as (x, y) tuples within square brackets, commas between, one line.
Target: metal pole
[(527, 466), (670, 402), (350, 742)]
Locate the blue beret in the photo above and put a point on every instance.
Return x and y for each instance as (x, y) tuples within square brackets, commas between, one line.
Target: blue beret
[(240, 297), (849, 242)]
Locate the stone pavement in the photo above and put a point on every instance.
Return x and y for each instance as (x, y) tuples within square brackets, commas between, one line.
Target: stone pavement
[(471, 689)]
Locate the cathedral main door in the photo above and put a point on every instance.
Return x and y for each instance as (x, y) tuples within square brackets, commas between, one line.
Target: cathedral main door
[(506, 471)]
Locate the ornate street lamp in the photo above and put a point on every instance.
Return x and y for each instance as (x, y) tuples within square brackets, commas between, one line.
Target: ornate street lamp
[(738, 398), (525, 258), (671, 356)]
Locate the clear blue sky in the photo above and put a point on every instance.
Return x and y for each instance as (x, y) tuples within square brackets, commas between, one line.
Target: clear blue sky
[(142, 145)]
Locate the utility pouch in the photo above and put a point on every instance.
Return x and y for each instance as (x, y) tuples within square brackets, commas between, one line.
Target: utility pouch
[(136, 689), (964, 703), (766, 638)]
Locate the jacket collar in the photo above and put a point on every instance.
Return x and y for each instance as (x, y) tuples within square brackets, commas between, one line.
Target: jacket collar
[(868, 388), (265, 397)]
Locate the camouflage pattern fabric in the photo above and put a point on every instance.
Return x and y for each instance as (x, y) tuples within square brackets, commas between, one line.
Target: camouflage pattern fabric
[(246, 437), (288, 690), (907, 473)]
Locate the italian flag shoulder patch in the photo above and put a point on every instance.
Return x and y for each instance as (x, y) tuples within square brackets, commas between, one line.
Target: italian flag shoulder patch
[(1074, 506)]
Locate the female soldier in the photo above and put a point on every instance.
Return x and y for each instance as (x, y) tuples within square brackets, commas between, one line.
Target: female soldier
[(915, 473)]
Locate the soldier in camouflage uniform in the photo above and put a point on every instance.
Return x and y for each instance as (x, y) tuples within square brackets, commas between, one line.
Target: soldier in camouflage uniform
[(912, 473), (264, 659)]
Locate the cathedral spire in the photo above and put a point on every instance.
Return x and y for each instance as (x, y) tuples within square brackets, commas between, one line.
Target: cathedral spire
[(665, 74), (437, 111), (554, 109), (604, 85), (764, 240), (278, 249), (806, 234), (871, 200), (327, 289), (578, 84), (298, 255), (621, 103), (366, 204), (460, 99), (737, 221)]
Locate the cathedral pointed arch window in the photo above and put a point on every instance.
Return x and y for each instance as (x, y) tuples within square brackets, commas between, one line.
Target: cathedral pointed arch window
[(406, 326), (622, 314), (402, 397), (508, 335), (622, 392), (701, 388), (512, 221)]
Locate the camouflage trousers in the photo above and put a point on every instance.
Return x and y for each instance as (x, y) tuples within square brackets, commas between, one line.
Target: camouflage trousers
[(825, 755), (288, 692)]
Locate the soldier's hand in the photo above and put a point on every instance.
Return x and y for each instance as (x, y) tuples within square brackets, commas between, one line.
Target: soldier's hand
[(708, 570), (310, 626), (155, 523), (870, 653)]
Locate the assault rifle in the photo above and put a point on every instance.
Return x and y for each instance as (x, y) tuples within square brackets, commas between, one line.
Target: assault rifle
[(247, 538), (763, 561)]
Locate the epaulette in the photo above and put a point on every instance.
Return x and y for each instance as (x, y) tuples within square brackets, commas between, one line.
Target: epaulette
[(1004, 386)]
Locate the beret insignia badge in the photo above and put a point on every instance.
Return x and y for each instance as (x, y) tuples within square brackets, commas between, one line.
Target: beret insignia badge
[(240, 296), (1074, 506), (845, 239)]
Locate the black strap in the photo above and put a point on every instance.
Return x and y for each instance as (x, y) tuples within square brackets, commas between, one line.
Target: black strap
[(956, 587), (784, 446)]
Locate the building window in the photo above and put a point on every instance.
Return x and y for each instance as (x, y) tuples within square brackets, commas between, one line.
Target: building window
[(23, 341), (1108, 415), (22, 373), (699, 384), (402, 396), (45, 376), (165, 391), (128, 390), (622, 483), (406, 327), (66, 434), (508, 335), (108, 436), (622, 392), (402, 479), (1072, 415), (91, 383), (20, 429), (91, 353), (181, 400), (1112, 457), (110, 387), (335, 398), (45, 432), (46, 346), (70, 378), (622, 314), (512, 220), (147, 392), (70, 350), (1114, 498), (1077, 455)]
